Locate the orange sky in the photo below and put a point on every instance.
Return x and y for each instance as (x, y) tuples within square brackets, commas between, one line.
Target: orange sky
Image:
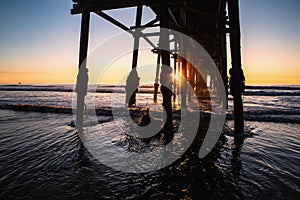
[(45, 50)]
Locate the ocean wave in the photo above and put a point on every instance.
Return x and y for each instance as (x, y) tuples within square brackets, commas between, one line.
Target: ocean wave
[(148, 89), (274, 87), (293, 119), (263, 116), (272, 112), (37, 108), (271, 93), (70, 88)]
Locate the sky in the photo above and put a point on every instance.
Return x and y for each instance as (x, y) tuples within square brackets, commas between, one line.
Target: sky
[(39, 40)]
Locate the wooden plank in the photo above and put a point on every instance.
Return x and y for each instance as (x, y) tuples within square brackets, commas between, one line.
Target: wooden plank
[(97, 5)]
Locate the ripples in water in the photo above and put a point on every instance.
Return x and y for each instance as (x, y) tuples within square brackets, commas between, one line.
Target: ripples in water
[(42, 158)]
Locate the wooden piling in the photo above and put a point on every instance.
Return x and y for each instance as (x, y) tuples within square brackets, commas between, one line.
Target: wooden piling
[(156, 84), (174, 77), (138, 20), (183, 83), (166, 78), (237, 77), (223, 47), (178, 88), (183, 22), (83, 50)]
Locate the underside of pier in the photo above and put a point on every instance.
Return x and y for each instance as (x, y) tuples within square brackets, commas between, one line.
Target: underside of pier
[(209, 22)]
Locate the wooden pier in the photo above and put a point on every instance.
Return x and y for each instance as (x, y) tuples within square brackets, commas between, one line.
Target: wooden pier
[(206, 21)]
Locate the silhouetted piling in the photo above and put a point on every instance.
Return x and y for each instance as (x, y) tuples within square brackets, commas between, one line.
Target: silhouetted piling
[(237, 77), (83, 50)]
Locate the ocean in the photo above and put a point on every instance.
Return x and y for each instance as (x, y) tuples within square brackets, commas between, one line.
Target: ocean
[(42, 156)]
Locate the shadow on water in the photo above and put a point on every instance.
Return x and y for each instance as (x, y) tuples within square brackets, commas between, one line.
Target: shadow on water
[(214, 177), (53, 164)]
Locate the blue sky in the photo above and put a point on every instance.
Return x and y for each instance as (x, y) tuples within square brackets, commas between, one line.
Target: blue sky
[(38, 39)]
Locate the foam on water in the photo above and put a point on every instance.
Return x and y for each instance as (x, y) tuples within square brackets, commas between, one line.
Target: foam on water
[(261, 103)]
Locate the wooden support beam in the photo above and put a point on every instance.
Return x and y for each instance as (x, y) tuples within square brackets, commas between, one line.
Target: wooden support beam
[(112, 20), (189, 75), (82, 79), (183, 83), (183, 16), (149, 24), (192, 80), (96, 5), (179, 76), (198, 81), (192, 10), (174, 75), (173, 18), (136, 35), (125, 28), (223, 46), (156, 84), (152, 34), (166, 77), (138, 20), (237, 78)]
